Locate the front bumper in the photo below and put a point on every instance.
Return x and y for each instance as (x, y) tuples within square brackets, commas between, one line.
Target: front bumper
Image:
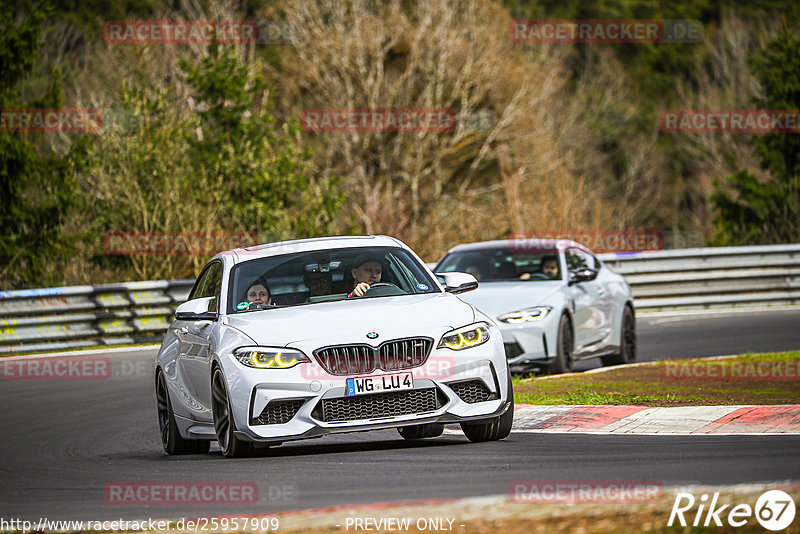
[(306, 406), (318, 432), (528, 347)]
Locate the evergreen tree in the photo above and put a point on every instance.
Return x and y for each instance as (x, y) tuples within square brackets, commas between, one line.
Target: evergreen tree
[(750, 211), (36, 185), (263, 172)]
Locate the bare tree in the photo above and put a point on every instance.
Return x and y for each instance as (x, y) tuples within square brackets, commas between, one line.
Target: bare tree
[(430, 55)]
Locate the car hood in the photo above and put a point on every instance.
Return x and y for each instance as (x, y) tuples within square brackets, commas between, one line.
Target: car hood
[(496, 298), (349, 321)]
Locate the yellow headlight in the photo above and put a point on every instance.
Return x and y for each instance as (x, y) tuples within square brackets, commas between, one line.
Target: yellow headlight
[(257, 359), (266, 359), (466, 338), (280, 362)]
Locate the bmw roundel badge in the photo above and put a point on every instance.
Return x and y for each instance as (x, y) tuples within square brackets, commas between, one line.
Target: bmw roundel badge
[(372, 335)]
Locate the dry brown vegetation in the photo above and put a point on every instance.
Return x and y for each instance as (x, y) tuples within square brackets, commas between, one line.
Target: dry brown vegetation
[(539, 164), (536, 168)]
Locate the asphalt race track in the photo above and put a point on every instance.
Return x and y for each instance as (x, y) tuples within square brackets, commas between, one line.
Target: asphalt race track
[(64, 441), (702, 334)]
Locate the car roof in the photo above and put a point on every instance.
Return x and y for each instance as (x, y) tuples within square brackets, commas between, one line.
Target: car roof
[(519, 243), (309, 245)]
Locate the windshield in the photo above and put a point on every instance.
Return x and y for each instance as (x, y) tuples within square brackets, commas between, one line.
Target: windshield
[(324, 276), (504, 264)]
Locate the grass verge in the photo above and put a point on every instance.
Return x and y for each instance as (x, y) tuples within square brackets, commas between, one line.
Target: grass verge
[(771, 378)]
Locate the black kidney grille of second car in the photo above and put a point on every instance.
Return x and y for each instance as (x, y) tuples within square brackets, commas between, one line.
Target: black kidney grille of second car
[(391, 355), (279, 412), (356, 407), (472, 391)]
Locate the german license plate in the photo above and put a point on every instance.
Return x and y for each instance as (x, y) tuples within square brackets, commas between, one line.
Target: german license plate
[(379, 384)]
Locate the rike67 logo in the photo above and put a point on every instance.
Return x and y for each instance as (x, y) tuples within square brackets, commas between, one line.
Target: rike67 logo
[(774, 510)]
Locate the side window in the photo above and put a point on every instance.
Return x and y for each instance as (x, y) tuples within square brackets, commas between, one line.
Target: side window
[(197, 290), (213, 285), (578, 259)]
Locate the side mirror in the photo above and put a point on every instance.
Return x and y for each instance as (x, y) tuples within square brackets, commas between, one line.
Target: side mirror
[(458, 282), (196, 310), (582, 275)]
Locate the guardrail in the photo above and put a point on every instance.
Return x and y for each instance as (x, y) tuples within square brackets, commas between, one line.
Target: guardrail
[(82, 316), (702, 278), (139, 312)]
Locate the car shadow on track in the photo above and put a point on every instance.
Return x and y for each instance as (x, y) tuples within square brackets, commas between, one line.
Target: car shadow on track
[(369, 446), (336, 444), (296, 449)]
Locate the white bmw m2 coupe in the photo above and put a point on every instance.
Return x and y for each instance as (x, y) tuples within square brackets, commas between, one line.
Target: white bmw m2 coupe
[(299, 339)]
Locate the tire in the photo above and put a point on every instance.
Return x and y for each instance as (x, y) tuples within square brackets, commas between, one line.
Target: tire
[(428, 430), (565, 346), (224, 424), (627, 350), (493, 429), (171, 439)]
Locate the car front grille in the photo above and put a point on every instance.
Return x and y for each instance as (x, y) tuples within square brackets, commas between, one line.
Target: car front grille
[(472, 391), (512, 350), (278, 412), (391, 355), (353, 408)]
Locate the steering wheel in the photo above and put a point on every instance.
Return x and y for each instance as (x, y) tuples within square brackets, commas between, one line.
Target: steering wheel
[(539, 276), (383, 289)]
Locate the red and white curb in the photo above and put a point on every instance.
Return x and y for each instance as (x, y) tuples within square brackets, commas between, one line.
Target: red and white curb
[(778, 419)]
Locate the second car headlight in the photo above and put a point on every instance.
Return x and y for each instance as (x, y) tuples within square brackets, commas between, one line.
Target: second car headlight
[(528, 315), (465, 337), (269, 358)]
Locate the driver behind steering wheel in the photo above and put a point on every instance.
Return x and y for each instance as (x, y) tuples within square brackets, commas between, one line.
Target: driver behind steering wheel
[(549, 266), (367, 269)]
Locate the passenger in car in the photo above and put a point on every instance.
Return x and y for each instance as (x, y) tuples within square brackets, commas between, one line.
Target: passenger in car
[(478, 268), (258, 294), (367, 270), (474, 271), (505, 271), (318, 282)]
